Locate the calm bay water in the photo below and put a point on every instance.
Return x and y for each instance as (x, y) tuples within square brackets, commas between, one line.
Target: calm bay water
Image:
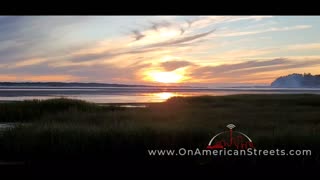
[(132, 94)]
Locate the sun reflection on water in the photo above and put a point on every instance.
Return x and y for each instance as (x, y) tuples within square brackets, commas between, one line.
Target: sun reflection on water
[(164, 95)]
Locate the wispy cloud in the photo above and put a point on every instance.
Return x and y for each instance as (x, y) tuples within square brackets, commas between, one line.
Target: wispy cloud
[(172, 65), (248, 68), (157, 25), (305, 46), (205, 21), (273, 29), (242, 53), (111, 49), (137, 35), (30, 62), (136, 50), (180, 41)]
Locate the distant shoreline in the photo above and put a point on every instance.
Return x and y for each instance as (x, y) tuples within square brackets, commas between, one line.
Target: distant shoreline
[(133, 94)]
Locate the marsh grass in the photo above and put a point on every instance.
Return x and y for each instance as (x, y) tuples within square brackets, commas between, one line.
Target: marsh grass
[(77, 128)]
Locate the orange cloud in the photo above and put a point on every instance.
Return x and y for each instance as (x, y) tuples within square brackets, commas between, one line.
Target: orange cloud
[(48, 78), (8, 77), (30, 62), (37, 78)]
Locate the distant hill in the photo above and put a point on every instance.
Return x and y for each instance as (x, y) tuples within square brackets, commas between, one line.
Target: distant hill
[(297, 81)]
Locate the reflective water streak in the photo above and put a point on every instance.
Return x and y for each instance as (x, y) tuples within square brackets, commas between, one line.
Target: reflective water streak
[(133, 95)]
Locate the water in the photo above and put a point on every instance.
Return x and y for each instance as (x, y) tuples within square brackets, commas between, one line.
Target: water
[(132, 94)]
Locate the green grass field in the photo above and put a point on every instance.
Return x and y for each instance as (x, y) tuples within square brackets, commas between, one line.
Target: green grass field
[(73, 128)]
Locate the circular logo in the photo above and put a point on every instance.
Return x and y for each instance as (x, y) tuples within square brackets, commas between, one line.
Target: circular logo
[(230, 139)]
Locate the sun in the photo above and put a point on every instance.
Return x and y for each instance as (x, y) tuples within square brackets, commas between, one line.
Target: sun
[(166, 77)]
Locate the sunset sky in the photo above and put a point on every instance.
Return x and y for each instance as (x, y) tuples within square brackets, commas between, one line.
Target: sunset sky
[(204, 50)]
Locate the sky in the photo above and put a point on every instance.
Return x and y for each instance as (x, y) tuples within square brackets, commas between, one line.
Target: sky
[(187, 50)]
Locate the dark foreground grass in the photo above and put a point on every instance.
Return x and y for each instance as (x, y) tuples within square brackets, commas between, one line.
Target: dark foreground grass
[(63, 130)]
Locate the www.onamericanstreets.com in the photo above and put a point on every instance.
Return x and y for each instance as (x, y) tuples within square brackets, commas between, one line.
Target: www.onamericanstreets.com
[(228, 152)]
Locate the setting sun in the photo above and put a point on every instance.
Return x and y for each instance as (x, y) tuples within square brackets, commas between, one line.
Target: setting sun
[(166, 77)]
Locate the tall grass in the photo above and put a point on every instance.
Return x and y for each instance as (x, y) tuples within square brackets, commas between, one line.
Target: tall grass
[(30, 110), (72, 126)]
